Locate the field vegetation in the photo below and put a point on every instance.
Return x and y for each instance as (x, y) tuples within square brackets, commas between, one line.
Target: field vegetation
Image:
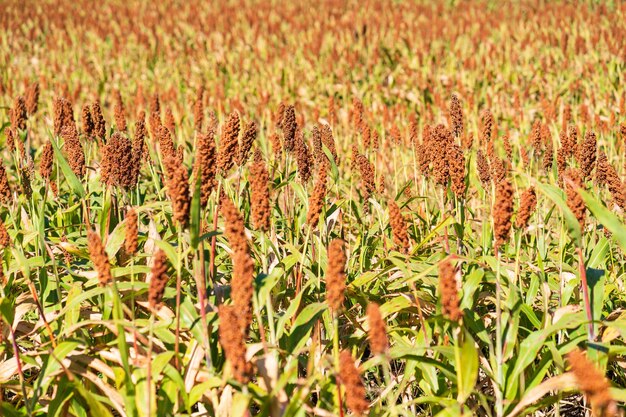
[(261, 208)]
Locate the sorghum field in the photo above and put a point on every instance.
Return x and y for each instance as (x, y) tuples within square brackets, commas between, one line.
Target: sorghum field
[(369, 208)]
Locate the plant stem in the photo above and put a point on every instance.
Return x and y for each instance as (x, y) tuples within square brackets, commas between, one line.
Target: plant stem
[(499, 359), (583, 280), (178, 289)]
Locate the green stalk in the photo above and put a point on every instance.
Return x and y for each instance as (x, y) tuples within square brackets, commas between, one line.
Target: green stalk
[(178, 290), (268, 299), (149, 375), (583, 281), (499, 359), (336, 358), (458, 358)]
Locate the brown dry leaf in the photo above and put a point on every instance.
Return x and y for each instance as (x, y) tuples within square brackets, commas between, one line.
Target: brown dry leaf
[(226, 401), (564, 311), (557, 383), (150, 247), (267, 366), (8, 369), (197, 355)]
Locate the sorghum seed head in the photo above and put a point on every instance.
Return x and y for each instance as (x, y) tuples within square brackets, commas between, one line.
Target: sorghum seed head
[(456, 114), (205, 165), (502, 212), (232, 339), (449, 291), (593, 384), (99, 257), (228, 144), (158, 279), (130, 241), (377, 334), (351, 380), (398, 227), (336, 275)]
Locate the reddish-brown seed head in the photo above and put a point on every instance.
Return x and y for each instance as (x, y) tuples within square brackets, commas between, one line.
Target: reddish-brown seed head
[(449, 291), (178, 191), (198, 109), (247, 140), (484, 170), (377, 333), (158, 279), (502, 212), (98, 120), (5, 239), (304, 158), (18, 113), (593, 384), (47, 159), (119, 112), (234, 226), (398, 228), (316, 200), (260, 194), (130, 241), (6, 196), (289, 126), (232, 338), (99, 257), (117, 165), (32, 98), (205, 165), (351, 380), (336, 275), (456, 167), (588, 154), (573, 182), (456, 115), (229, 144), (527, 206)]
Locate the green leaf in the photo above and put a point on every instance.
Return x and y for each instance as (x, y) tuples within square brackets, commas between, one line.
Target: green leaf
[(115, 240), (6, 409), (239, 406), (169, 250), (160, 362), (72, 179), (7, 310), (303, 325), (529, 348), (195, 215), (557, 196), (64, 393), (60, 352), (606, 217), (95, 407), (466, 366)]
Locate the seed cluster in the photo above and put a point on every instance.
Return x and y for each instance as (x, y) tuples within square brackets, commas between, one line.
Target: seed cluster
[(316, 201), (502, 212), (592, 383), (99, 258), (351, 380), (573, 182), (229, 144), (205, 165), (336, 275), (260, 197), (449, 292), (158, 280), (527, 206), (130, 241), (377, 334), (398, 227)]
